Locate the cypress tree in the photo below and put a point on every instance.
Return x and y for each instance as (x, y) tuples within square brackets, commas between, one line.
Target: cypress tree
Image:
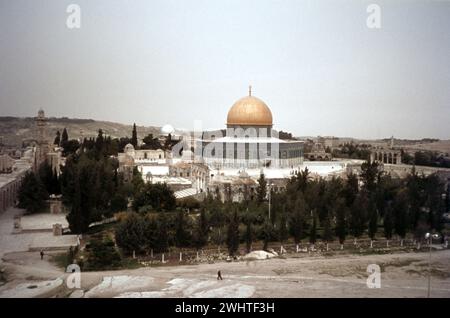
[(233, 234), (297, 218), (262, 188), (57, 140), (313, 231), (182, 238), (202, 230), (64, 138), (134, 141), (248, 236)]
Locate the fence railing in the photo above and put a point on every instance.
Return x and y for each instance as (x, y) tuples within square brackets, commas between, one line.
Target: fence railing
[(211, 254)]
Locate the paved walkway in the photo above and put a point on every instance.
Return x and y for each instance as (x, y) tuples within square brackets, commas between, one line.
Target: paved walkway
[(22, 242)]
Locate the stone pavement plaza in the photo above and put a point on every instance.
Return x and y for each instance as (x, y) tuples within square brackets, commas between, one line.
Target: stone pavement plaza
[(22, 242)]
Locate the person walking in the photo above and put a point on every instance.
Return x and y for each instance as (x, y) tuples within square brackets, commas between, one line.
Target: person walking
[(219, 275), (42, 254)]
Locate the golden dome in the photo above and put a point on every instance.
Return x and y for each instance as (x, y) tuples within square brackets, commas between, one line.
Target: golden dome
[(249, 111)]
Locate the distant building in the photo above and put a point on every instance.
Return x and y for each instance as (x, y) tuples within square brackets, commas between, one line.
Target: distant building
[(386, 154)]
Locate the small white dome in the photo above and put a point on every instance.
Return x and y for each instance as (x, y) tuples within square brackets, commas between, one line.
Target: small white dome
[(167, 129)]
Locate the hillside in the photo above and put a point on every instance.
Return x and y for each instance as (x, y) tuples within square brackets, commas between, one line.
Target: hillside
[(15, 129)]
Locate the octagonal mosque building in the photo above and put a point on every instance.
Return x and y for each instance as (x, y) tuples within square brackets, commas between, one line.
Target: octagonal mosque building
[(250, 141)]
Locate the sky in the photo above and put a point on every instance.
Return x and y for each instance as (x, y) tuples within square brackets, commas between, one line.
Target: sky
[(316, 64)]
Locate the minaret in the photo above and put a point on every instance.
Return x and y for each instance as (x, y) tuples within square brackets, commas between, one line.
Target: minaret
[(43, 147), (250, 90), (41, 123)]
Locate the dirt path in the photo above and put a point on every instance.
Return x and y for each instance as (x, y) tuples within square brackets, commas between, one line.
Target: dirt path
[(402, 275)]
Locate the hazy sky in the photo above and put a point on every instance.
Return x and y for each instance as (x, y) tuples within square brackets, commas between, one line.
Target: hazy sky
[(317, 65)]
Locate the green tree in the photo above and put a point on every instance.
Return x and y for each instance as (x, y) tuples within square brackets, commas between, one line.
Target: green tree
[(151, 142), (32, 193), (99, 143), (351, 189), (158, 196), (261, 191), (283, 232), (373, 218), (400, 212), (134, 140), (357, 216), (119, 202), (202, 230), (248, 235), (297, 218), (327, 230), (266, 233), (46, 176), (313, 230), (137, 181), (341, 221), (182, 237), (102, 255), (70, 147), (130, 234), (57, 140), (151, 238), (64, 138), (162, 233), (388, 222), (369, 175), (233, 234)]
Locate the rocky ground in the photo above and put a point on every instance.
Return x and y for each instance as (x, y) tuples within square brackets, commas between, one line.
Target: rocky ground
[(402, 275)]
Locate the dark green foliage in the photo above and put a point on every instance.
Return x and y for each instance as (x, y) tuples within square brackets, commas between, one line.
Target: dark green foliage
[(341, 221), (297, 218), (388, 222), (64, 138), (137, 182), (158, 196), (373, 218), (430, 159), (134, 140), (327, 230), (131, 234), (369, 175), (233, 234), (162, 235), (182, 225), (283, 232), (201, 230), (249, 235), (261, 191), (32, 193), (352, 151), (119, 202), (400, 213), (70, 147), (151, 142), (49, 179), (266, 234), (313, 230), (91, 187), (57, 140), (358, 216), (102, 255)]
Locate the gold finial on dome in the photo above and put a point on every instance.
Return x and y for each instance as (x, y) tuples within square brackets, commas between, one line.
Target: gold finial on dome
[(250, 90)]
